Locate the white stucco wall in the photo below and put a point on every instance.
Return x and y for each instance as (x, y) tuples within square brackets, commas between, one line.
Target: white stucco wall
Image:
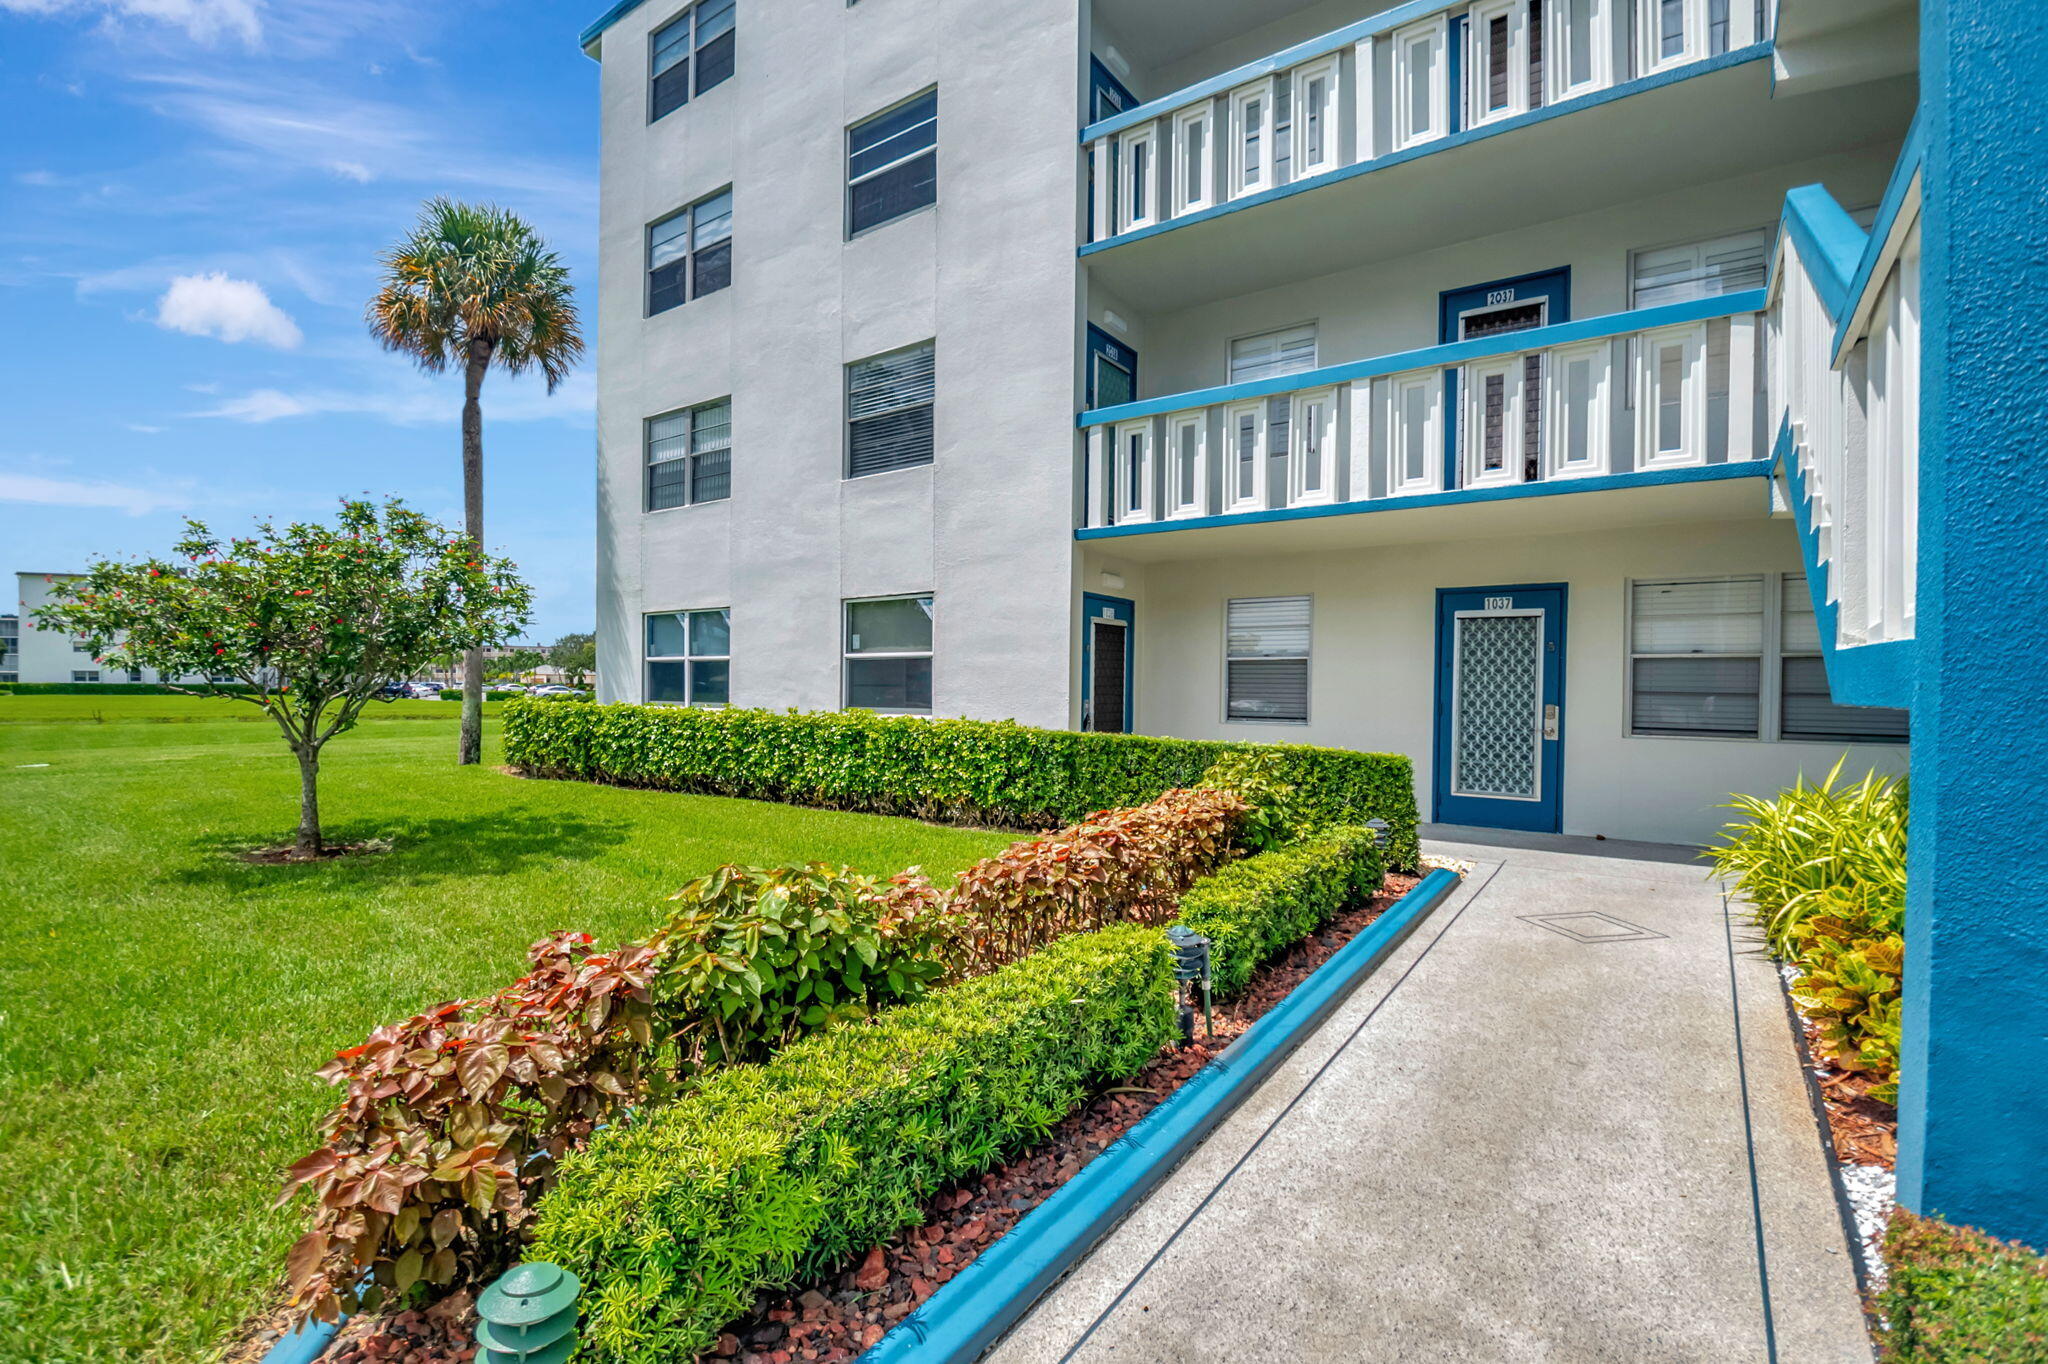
[(1373, 669), (988, 274)]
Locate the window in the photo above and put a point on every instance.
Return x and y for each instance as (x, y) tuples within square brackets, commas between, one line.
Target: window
[(1244, 434), (1578, 410), (889, 411), (10, 641), (689, 657), (705, 32), (689, 253), (1671, 397), (1715, 657), (1493, 422), (1497, 47), (1312, 463), (1702, 269), (1580, 53), (1134, 471), (1138, 194), (85, 675), (1415, 433), (889, 654), (1188, 471), (689, 456), (1266, 659), (1809, 711), (1287, 351), (892, 164)]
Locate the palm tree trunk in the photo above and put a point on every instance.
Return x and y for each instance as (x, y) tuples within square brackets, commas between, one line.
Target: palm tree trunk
[(308, 842), (472, 743)]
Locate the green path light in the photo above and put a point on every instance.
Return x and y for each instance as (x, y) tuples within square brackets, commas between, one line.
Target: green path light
[(528, 1316)]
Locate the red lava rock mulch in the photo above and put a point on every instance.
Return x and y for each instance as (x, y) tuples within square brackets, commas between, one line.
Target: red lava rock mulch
[(836, 1319)]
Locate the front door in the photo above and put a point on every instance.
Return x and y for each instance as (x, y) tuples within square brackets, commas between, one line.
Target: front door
[(1500, 707), (1106, 674)]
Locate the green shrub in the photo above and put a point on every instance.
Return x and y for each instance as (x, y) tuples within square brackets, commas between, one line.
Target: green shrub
[(959, 771), (455, 694), (765, 1173), (1253, 909), (1956, 1296), (1824, 867), (1280, 812), (757, 957)]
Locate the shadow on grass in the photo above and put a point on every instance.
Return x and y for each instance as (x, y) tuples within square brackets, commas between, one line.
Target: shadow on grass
[(496, 844)]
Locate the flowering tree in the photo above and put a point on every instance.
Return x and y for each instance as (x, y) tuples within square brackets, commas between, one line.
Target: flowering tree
[(309, 621)]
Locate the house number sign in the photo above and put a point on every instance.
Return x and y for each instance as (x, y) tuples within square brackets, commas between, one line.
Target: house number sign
[(1500, 603)]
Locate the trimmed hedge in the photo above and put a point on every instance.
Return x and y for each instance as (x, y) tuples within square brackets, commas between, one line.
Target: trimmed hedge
[(1254, 909), (768, 1172), (112, 688), (959, 771), (490, 694), (1953, 1295)]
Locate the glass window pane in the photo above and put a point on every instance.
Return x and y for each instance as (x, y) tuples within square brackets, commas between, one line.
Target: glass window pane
[(901, 625), (1670, 397), (668, 239), (710, 682), (668, 437), (710, 634), (711, 269), (666, 635), (671, 44), (668, 681), (895, 192), (711, 477), (1265, 627), (889, 683), (1698, 696), (1713, 617), (668, 484), (671, 91), (713, 18), (1811, 712), (901, 132), (711, 427), (1113, 383), (714, 219), (1268, 689), (715, 62)]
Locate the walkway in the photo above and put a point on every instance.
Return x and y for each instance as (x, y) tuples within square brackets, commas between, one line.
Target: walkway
[(1524, 1138)]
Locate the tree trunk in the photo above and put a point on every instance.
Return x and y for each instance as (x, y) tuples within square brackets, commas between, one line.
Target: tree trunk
[(308, 842), (472, 743)]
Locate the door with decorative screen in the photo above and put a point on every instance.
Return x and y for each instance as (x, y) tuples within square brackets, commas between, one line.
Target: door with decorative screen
[(1500, 707), (1107, 680)]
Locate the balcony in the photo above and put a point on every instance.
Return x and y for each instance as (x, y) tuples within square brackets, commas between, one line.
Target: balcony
[(1636, 403), (1428, 124)]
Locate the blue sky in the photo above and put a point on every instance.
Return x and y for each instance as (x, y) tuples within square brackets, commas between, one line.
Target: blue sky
[(193, 195)]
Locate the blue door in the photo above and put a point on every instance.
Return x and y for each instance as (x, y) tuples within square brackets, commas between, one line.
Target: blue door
[(1108, 681), (1500, 707)]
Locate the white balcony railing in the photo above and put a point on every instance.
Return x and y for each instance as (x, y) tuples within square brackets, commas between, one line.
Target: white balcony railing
[(1382, 87), (1666, 388)]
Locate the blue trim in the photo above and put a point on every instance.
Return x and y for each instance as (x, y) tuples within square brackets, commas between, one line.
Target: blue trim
[(1509, 343), (1545, 815), (1830, 244), (957, 1323), (1125, 610), (1454, 39), (1741, 56), (1903, 175), (1264, 66), (1557, 291), (606, 20), (1642, 478), (304, 1344), (1863, 674), (1451, 479)]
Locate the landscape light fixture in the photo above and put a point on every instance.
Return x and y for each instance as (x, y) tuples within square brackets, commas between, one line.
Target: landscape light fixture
[(1191, 964)]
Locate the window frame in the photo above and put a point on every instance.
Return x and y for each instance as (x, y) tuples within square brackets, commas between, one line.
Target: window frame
[(1138, 183), (1203, 184), (1236, 497), (1691, 340), (1134, 468), (1557, 47), (1770, 659), (1434, 31), (1516, 61), (689, 458), (1198, 423), (852, 180), (85, 675), (1323, 433), (1329, 70), (1557, 366), (1241, 182), (694, 46), (1513, 373), (689, 258), (848, 655), (847, 473), (689, 658), (1395, 421), (1306, 657)]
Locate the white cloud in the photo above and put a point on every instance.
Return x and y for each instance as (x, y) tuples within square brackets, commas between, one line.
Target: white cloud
[(419, 401), (204, 21), (230, 309), (67, 492)]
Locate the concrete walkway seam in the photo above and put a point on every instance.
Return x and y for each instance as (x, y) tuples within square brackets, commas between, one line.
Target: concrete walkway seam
[(1756, 1201)]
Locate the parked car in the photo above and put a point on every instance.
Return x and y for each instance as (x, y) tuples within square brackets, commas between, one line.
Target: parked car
[(423, 691), (557, 689)]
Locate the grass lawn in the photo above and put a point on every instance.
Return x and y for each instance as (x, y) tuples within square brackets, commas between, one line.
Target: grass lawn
[(163, 1005)]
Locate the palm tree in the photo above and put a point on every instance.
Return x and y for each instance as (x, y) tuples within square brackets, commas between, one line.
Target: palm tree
[(474, 285)]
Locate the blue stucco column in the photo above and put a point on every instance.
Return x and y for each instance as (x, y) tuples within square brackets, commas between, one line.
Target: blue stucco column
[(1973, 1124)]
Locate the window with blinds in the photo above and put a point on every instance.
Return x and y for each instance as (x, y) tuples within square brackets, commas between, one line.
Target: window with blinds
[(1717, 657), (889, 411), (1809, 711), (689, 253), (1266, 652), (892, 163), (1702, 269), (699, 39), (689, 456), (689, 657), (888, 654), (1287, 351)]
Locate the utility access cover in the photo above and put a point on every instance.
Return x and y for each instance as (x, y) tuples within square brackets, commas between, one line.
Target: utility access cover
[(1591, 926)]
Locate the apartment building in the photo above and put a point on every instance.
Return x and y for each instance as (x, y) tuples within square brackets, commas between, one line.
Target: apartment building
[(29, 653), (1392, 378)]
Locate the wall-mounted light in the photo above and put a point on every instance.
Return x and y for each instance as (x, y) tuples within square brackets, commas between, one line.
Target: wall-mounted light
[(1113, 581)]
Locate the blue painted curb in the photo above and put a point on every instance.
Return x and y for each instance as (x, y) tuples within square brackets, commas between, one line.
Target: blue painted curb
[(305, 1344), (961, 1320)]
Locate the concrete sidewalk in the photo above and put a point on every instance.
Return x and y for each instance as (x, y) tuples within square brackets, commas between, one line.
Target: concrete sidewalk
[(1524, 1138)]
